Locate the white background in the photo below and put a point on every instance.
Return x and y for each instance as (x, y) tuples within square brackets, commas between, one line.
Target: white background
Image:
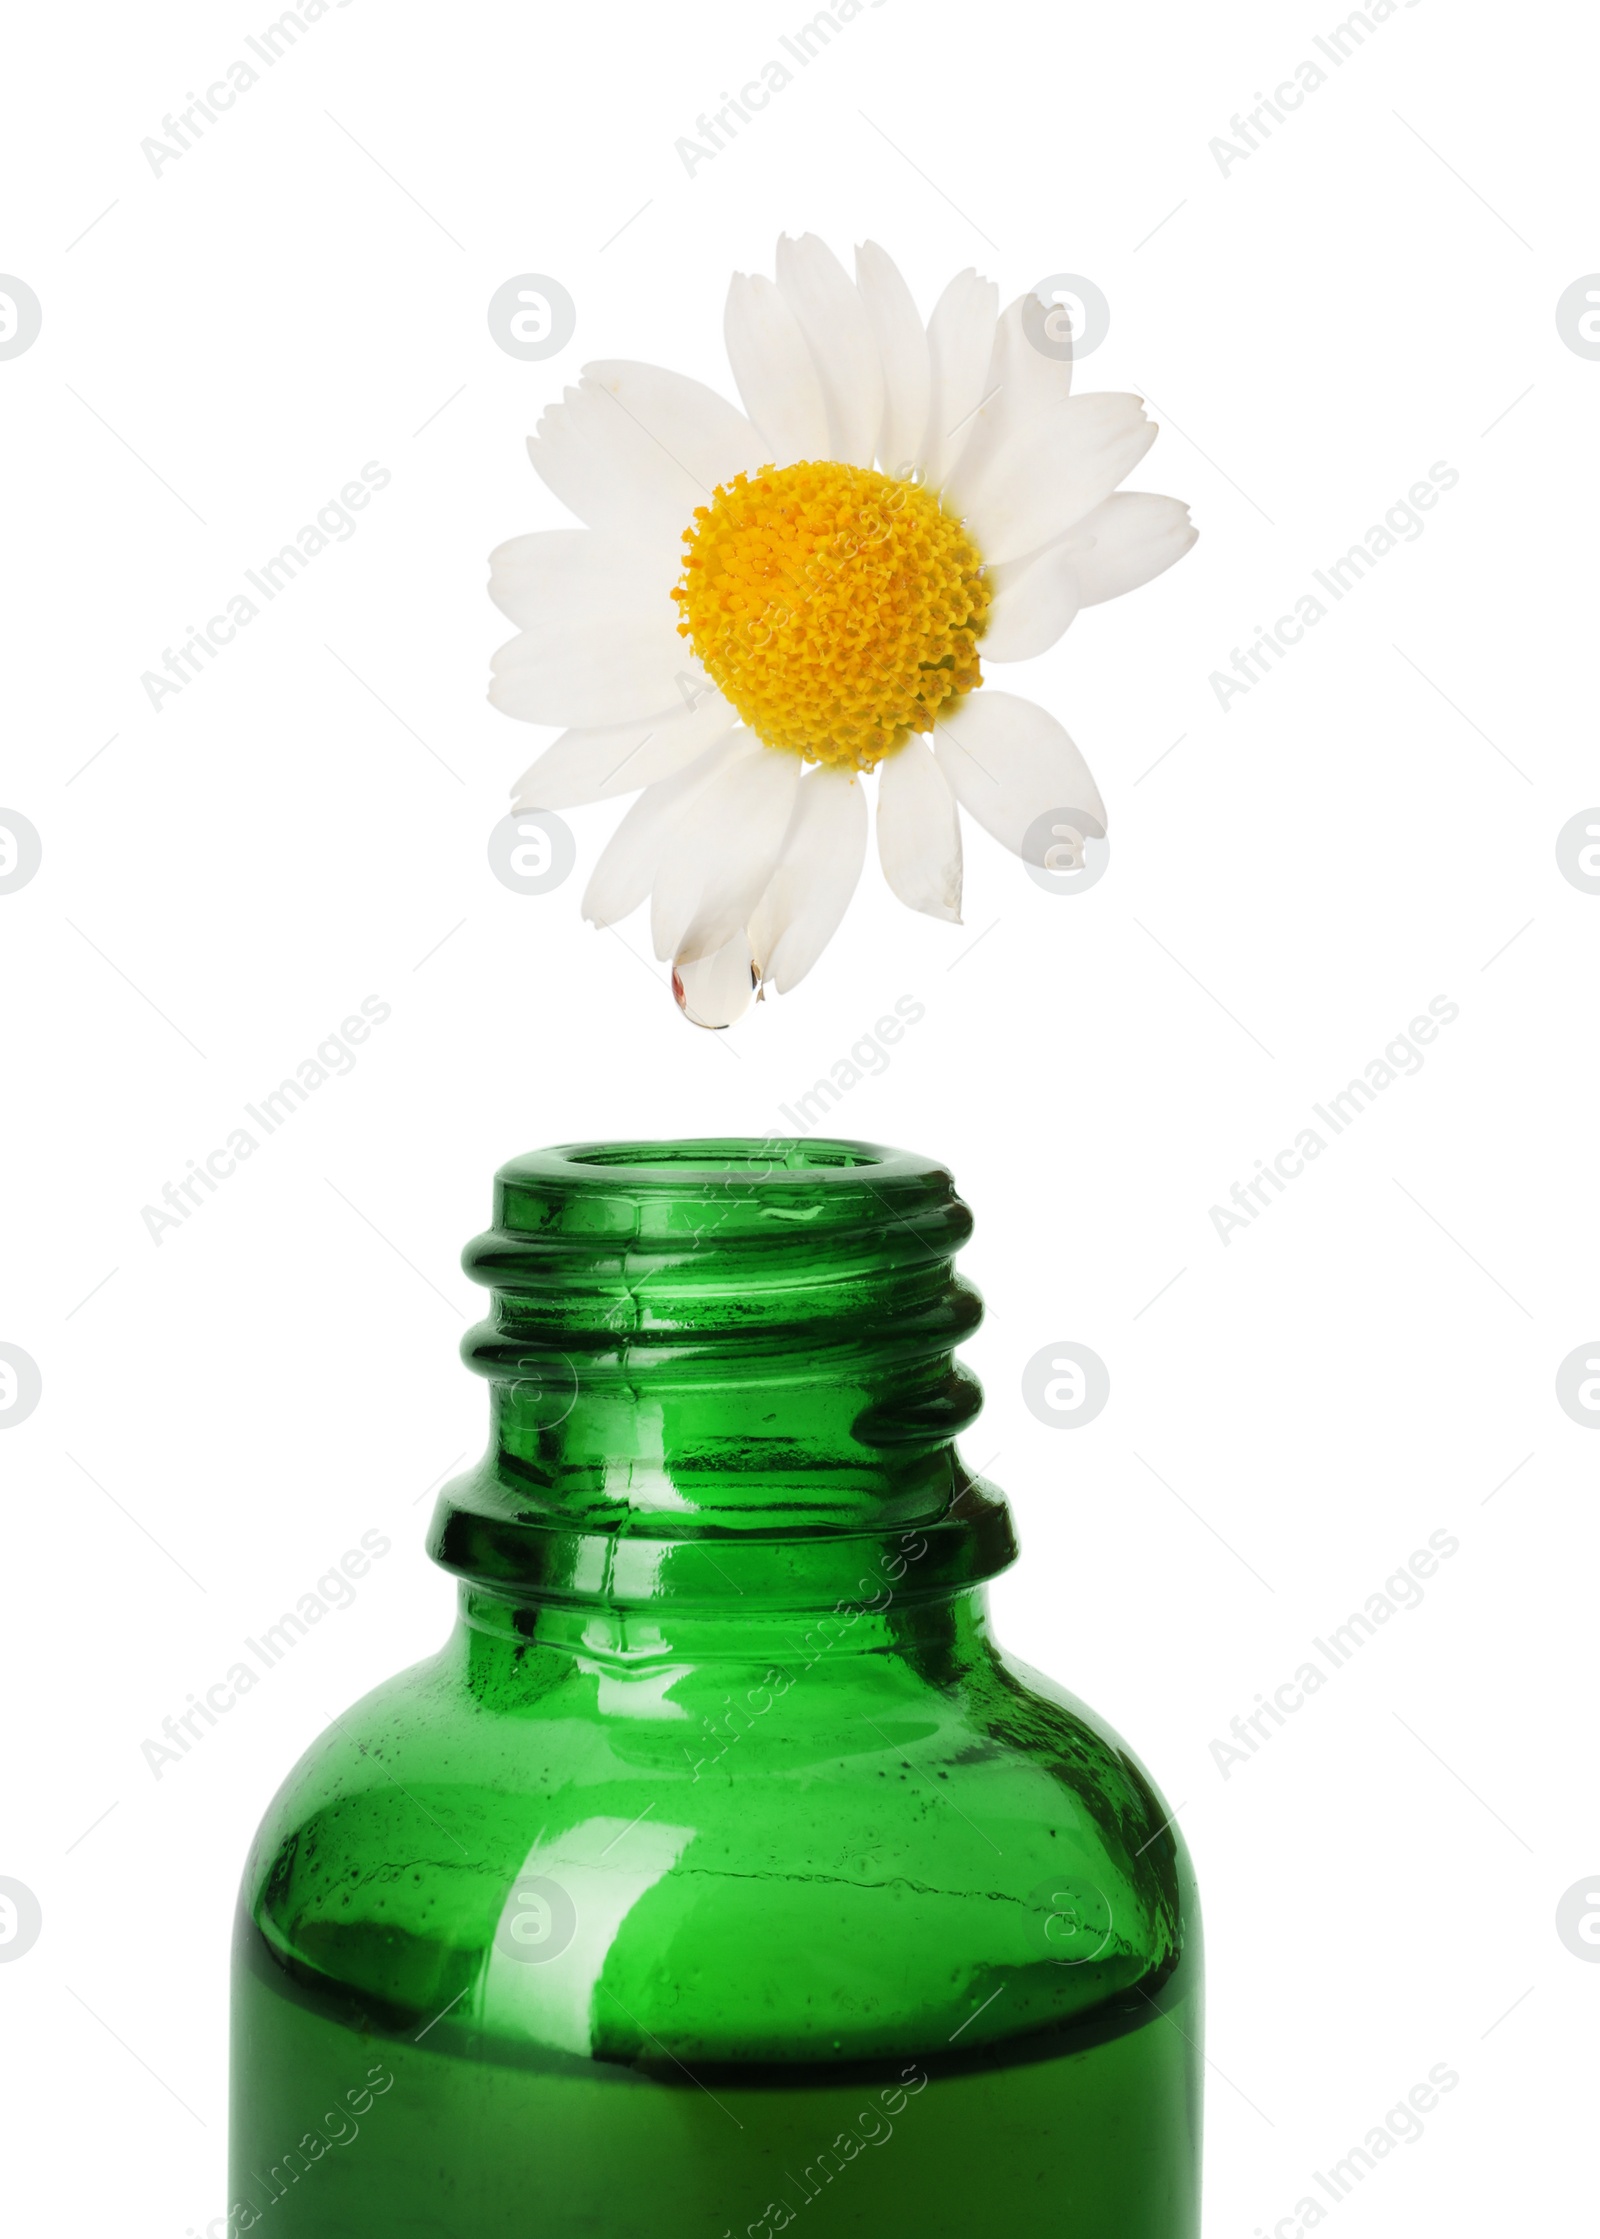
[(1291, 1413)]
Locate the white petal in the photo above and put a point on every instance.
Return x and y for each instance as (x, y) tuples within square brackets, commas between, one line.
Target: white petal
[(1121, 544), (634, 447), (1021, 384), (1055, 471), (597, 668), (960, 343), (577, 575), (1010, 764), (630, 858), (810, 890), (773, 369), (715, 990), (919, 833), (903, 353), (1032, 601), (724, 846), (599, 765), (1133, 537), (833, 319)]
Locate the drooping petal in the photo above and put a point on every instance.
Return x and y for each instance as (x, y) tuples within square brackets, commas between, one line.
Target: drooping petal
[(1062, 467), (960, 343), (577, 575), (1126, 541), (810, 890), (724, 848), (600, 765), (715, 990), (919, 833), (774, 372), (903, 354), (833, 319), (1021, 384), (631, 857), (637, 448), (1010, 764)]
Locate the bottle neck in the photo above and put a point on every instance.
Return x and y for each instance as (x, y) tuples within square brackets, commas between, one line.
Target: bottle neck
[(939, 1635), (704, 1678), (723, 1380)]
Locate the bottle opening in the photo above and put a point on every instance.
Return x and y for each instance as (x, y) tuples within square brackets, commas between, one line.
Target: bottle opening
[(717, 1190), (731, 1156)]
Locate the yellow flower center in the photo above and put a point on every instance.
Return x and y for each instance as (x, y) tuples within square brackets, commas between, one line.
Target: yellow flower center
[(837, 609)]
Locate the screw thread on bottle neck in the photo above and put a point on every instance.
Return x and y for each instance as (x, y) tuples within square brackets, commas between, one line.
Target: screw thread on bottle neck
[(720, 1369)]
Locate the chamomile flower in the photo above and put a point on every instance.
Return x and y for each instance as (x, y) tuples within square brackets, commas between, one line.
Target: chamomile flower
[(766, 609)]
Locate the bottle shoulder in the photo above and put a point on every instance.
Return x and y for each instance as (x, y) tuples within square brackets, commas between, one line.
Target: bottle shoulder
[(733, 1861)]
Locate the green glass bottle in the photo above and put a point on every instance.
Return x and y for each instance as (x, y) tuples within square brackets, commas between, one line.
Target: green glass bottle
[(721, 1874)]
